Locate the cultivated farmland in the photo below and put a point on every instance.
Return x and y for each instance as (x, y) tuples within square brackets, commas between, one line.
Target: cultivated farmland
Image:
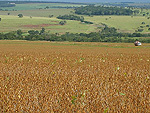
[(74, 77)]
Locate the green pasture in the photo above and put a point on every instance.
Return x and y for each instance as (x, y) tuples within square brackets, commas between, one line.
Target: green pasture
[(122, 23), (33, 6), (13, 23), (41, 16), (39, 12)]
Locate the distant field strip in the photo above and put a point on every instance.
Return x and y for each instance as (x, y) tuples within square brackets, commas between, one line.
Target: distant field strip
[(38, 12), (33, 6)]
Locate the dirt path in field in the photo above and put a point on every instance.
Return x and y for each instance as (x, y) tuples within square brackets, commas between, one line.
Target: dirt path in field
[(40, 25)]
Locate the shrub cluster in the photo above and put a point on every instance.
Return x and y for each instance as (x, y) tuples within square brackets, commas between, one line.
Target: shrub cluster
[(71, 17)]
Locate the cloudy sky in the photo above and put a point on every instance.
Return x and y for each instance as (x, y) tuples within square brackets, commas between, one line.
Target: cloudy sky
[(86, 0), (99, 0)]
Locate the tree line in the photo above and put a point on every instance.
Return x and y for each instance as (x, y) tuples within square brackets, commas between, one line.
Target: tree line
[(101, 10), (105, 35), (74, 17), (40, 1), (6, 4), (71, 17)]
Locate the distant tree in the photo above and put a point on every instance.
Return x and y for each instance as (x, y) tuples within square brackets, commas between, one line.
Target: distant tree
[(46, 7), (19, 32), (140, 30), (81, 18), (71, 17), (136, 12), (36, 32), (147, 13), (50, 16), (62, 22), (87, 22), (71, 12), (143, 14), (141, 26), (33, 32), (20, 15), (101, 10), (42, 31), (143, 23), (8, 13)]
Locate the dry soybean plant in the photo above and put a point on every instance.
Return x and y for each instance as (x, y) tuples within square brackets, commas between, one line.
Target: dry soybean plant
[(39, 77)]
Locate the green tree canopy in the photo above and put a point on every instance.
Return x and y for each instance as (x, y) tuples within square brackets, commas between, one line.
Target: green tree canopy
[(20, 15)]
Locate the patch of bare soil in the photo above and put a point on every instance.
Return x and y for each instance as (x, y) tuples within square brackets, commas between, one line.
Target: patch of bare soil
[(39, 26)]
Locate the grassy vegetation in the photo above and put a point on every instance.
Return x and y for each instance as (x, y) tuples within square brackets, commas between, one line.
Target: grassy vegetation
[(12, 23), (123, 23), (39, 13)]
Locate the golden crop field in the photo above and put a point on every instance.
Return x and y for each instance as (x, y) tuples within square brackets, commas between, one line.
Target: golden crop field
[(69, 77)]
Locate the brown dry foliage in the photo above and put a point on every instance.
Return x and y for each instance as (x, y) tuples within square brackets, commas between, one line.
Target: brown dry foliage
[(44, 77)]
